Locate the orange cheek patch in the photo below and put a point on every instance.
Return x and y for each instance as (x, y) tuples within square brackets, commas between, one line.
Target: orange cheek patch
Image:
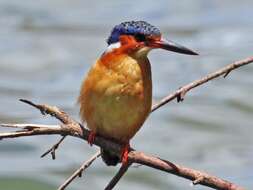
[(128, 45), (127, 40)]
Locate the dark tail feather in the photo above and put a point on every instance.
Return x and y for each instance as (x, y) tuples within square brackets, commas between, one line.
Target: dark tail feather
[(109, 158)]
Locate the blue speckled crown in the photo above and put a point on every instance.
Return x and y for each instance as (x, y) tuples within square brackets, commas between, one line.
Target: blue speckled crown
[(132, 28)]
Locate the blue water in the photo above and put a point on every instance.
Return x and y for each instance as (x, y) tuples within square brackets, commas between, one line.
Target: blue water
[(46, 47)]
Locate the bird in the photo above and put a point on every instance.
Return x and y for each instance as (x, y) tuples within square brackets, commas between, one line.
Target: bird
[(116, 95)]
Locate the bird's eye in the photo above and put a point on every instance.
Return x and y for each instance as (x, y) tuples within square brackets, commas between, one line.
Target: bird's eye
[(140, 37)]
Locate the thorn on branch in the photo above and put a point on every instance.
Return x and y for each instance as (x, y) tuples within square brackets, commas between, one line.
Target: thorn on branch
[(226, 74), (181, 95), (80, 173), (198, 180), (53, 154)]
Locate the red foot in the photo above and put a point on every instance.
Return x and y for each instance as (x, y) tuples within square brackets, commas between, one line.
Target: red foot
[(124, 154), (91, 138)]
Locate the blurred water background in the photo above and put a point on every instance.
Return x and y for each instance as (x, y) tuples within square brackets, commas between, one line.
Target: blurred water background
[(46, 47)]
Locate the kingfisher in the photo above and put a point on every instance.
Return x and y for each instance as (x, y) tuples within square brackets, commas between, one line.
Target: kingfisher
[(116, 95)]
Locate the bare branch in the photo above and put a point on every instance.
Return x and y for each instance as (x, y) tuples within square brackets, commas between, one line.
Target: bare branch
[(33, 130), (180, 94), (134, 156), (123, 169), (76, 128), (188, 173), (79, 172), (27, 126), (53, 149), (51, 110), (72, 128)]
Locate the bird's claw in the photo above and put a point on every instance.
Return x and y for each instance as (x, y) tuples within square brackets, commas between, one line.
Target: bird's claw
[(91, 138), (124, 154)]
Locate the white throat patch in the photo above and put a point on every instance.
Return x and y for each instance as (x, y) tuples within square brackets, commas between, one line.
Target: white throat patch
[(113, 46)]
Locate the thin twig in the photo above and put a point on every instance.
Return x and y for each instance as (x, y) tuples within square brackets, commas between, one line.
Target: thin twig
[(79, 171), (58, 114), (27, 126), (53, 149), (32, 131), (51, 110), (123, 169), (180, 94)]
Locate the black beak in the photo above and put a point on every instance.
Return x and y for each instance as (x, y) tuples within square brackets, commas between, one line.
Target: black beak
[(170, 46)]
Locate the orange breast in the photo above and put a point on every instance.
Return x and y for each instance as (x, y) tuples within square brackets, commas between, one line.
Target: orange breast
[(116, 97)]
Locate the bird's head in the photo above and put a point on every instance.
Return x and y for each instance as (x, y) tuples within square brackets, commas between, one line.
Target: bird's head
[(140, 36)]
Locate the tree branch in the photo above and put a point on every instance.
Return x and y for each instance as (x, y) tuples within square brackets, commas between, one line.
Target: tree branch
[(53, 149), (197, 177), (79, 171), (181, 92), (123, 169), (70, 127)]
